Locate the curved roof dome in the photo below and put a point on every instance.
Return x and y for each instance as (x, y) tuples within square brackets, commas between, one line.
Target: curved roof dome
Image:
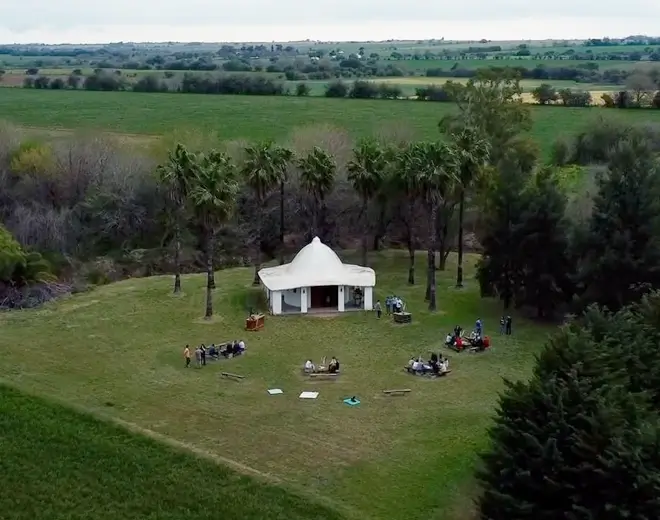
[(316, 265), (317, 256)]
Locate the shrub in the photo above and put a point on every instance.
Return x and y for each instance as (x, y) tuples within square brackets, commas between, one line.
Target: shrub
[(336, 89), (302, 89), (363, 90), (655, 103), (32, 159), (388, 91)]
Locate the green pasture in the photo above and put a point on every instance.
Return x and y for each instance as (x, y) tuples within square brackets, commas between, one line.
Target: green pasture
[(58, 464), (257, 118), (117, 351)]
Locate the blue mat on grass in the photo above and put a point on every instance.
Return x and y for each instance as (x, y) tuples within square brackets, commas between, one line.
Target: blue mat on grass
[(352, 401)]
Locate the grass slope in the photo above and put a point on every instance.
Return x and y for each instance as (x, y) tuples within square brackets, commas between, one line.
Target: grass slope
[(246, 117), (59, 464), (122, 344)]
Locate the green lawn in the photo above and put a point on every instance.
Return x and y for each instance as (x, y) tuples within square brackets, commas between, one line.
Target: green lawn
[(58, 465), (252, 117), (118, 351)]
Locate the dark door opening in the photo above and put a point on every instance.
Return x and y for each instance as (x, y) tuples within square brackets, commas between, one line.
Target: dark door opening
[(324, 297)]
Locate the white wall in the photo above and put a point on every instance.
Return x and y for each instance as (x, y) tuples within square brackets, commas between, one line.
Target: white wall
[(276, 302), (340, 297), (348, 294), (368, 298), (305, 299), (292, 297)]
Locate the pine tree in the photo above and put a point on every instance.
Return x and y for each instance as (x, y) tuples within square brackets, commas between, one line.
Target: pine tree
[(563, 448), (543, 245), (621, 252)]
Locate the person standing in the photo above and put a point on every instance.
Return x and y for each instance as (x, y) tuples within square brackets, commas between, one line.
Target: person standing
[(186, 355), (502, 325), (378, 309), (203, 349), (478, 327), (508, 325), (198, 357)]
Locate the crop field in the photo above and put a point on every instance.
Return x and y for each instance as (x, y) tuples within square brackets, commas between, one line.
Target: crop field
[(117, 351), (58, 464), (257, 118)]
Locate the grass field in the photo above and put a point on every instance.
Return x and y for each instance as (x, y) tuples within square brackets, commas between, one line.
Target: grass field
[(117, 351), (247, 117), (58, 465)]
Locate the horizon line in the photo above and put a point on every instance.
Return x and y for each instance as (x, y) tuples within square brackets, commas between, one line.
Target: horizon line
[(318, 41)]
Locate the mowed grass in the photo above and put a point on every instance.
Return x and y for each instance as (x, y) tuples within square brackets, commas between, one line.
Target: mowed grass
[(256, 118), (117, 351), (58, 464)]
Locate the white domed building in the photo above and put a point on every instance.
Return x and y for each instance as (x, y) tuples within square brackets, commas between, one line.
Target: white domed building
[(317, 281)]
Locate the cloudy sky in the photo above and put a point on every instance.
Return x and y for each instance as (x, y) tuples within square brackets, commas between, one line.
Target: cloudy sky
[(80, 21)]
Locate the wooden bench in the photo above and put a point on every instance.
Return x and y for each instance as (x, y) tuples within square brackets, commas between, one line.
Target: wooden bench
[(323, 375), (402, 391), (234, 377)]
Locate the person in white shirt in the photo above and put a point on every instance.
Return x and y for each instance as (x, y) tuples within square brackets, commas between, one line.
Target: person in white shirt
[(449, 340), (309, 366), (241, 345), (418, 366)]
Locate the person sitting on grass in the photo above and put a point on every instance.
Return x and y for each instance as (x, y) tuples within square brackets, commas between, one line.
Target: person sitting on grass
[(333, 367), (310, 368), (449, 340), (236, 348), (228, 350), (418, 365), (459, 343)]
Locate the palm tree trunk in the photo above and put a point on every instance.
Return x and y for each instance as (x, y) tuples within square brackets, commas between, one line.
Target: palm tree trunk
[(411, 245), (459, 270), (282, 222), (209, 258), (431, 258), (430, 261), (210, 282), (177, 259), (257, 256), (365, 232)]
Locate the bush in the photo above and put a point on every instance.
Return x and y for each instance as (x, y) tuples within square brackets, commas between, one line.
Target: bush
[(336, 89), (432, 93), (246, 84), (388, 91), (363, 90), (575, 98), (655, 103), (150, 83), (302, 89), (103, 81)]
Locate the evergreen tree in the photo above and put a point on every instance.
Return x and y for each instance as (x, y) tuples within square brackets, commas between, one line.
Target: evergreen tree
[(500, 270), (543, 245), (566, 448), (621, 253)]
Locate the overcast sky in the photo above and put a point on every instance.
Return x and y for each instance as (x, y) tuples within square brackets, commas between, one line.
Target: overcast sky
[(83, 21)]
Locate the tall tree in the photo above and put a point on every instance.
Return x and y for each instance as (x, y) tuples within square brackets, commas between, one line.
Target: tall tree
[(264, 167), (405, 185), (317, 176), (366, 172), (213, 195), (543, 245), (437, 167), (176, 176), (621, 252), (473, 152), (500, 268)]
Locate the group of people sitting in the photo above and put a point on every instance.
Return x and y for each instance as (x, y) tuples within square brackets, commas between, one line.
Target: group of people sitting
[(475, 340), (332, 368), (394, 304), (437, 365), (229, 349)]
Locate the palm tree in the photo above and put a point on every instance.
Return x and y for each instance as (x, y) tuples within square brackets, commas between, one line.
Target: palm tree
[(437, 165), (213, 195), (176, 176), (472, 153), (366, 172), (317, 176), (405, 184), (265, 166)]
